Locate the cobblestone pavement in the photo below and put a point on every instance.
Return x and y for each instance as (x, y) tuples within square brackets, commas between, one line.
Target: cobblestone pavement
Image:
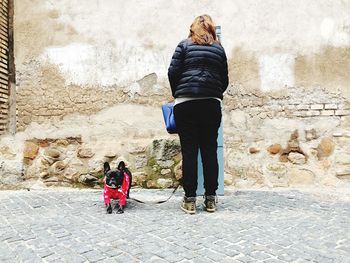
[(63, 225)]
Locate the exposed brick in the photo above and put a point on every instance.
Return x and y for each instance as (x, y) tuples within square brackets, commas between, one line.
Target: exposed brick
[(342, 112), (344, 106), (327, 112), (289, 107), (316, 106), (313, 113), (303, 107), (331, 106), (306, 113)]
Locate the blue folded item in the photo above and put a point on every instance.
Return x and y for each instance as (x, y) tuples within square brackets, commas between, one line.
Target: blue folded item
[(168, 114)]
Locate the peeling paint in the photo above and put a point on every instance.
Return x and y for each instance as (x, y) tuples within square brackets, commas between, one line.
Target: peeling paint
[(329, 69)]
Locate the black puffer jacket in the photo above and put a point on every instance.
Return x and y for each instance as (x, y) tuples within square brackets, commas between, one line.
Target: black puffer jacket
[(198, 70)]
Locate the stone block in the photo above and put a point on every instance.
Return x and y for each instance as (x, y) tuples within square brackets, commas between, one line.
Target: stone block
[(165, 149), (300, 177), (139, 178), (87, 179), (10, 172), (343, 173), (325, 148), (342, 158), (164, 183), (85, 153), (30, 150)]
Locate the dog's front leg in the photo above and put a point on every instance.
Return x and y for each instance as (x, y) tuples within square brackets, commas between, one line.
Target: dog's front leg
[(109, 208), (120, 209)]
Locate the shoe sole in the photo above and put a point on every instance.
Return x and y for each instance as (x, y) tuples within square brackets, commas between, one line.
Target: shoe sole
[(188, 211), (209, 210)]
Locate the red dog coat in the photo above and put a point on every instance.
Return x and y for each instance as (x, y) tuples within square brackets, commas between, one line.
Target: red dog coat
[(117, 193)]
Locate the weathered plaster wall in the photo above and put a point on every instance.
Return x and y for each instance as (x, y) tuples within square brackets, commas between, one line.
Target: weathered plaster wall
[(288, 67)]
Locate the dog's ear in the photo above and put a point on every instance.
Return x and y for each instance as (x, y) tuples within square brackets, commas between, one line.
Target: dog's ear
[(121, 166), (106, 167)]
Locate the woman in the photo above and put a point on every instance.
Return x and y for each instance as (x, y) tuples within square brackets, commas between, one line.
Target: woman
[(198, 78)]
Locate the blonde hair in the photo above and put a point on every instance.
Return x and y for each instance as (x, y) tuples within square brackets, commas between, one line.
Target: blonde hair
[(202, 30)]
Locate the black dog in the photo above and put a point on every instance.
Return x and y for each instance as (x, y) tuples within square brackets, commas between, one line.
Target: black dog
[(117, 185)]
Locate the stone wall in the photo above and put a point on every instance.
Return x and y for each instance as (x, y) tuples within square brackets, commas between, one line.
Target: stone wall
[(286, 110)]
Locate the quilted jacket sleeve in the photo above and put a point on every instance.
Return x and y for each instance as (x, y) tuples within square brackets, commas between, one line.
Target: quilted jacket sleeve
[(224, 73), (176, 66)]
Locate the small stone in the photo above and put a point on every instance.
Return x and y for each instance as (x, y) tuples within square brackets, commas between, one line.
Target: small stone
[(6, 152), (85, 153), (87, 179), (44, 175), (52, 153), (274, 148), (165, 172), (30, 150), (165, 164), (62, 142), (325, 148), (110, 155), (164, 183), (253, 150), (337, 134), (151, 184), (296, 158), (228, 179), (58, 167)]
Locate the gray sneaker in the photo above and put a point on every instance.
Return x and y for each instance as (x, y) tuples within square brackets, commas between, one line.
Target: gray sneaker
[(189, 205), (210, 203)]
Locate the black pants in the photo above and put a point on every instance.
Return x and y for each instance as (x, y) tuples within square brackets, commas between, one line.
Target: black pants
[(197, 122)]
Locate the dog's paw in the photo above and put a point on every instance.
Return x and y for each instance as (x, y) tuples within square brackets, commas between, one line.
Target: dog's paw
[(120, 210), (109, 209)]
